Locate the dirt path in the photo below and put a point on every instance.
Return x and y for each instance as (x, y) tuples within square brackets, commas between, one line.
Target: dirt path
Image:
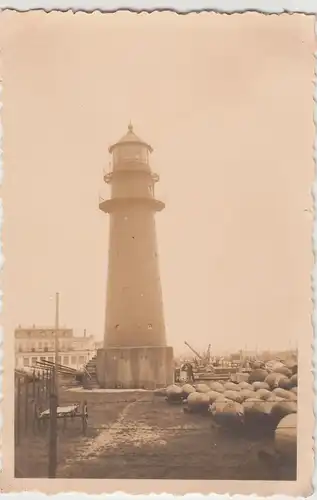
[(92, 447), (150, 439), (139, 436), (125, 430)]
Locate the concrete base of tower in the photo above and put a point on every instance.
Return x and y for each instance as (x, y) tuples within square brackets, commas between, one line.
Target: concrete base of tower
[(135, 367)]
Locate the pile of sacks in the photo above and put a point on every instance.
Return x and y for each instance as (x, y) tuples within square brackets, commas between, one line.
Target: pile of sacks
[(269, 395)]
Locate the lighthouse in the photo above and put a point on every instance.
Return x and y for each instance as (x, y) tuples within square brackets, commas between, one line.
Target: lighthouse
[(135, 354)]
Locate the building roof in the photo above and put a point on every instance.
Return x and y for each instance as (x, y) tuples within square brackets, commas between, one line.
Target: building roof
[(130, 138)]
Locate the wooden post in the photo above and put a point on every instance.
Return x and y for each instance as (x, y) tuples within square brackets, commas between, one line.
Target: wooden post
[(84, 417), (51, 382), (17, 411), (50, 386), (39, 420), (33, 384), (35, 418), (52, 465), (56, 388), (26, 402), (46, 385), (43, 384), (38, 394)]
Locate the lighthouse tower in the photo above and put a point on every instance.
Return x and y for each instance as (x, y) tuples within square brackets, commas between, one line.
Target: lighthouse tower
[(135, 354)]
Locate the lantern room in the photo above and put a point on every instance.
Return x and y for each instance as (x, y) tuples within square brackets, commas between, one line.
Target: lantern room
[(130, 149)]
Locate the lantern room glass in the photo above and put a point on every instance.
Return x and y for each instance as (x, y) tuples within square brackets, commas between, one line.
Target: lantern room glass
[(131, 153)]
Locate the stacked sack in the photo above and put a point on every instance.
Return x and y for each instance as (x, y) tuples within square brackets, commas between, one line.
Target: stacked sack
[(267, 396), (275, 395)]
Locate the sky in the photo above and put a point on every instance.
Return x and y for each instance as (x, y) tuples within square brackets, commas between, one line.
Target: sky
[(227, 104)]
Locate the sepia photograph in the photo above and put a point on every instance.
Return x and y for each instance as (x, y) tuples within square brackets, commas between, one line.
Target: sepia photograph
[(157, 235)]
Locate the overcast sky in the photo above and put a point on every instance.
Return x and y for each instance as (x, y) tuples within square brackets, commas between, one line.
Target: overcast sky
[(227, 104)]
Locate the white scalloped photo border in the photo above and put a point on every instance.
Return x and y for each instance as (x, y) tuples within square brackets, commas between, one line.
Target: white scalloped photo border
[(179, 6)]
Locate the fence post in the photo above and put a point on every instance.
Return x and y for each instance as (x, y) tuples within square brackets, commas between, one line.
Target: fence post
[(26, 402), (38, 393), (17, 411), (52, 382), (52, 459), (84, 417), (49, 383), (33, 384), (45, 385), (35, 425)]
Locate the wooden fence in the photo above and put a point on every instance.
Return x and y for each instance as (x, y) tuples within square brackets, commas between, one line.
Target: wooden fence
[(37, 411), (32, 396)]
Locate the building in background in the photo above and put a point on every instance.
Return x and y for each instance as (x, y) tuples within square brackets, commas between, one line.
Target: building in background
[(36, 344), (99, 344)]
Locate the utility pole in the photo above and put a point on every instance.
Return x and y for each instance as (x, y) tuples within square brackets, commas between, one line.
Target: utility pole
[(56, 343), (52, 459)]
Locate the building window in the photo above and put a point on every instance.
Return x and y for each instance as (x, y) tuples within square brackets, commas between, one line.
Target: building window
[(42, 358), (51, 359), (26, 361), (66, 360), (45, 349), (34, 360), (73, 360), (81, 360)]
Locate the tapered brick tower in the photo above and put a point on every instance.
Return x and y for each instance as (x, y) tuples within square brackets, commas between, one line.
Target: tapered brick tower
[(135, 354)]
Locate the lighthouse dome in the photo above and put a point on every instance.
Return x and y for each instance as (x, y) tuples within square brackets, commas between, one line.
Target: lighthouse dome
[(130, 138)]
